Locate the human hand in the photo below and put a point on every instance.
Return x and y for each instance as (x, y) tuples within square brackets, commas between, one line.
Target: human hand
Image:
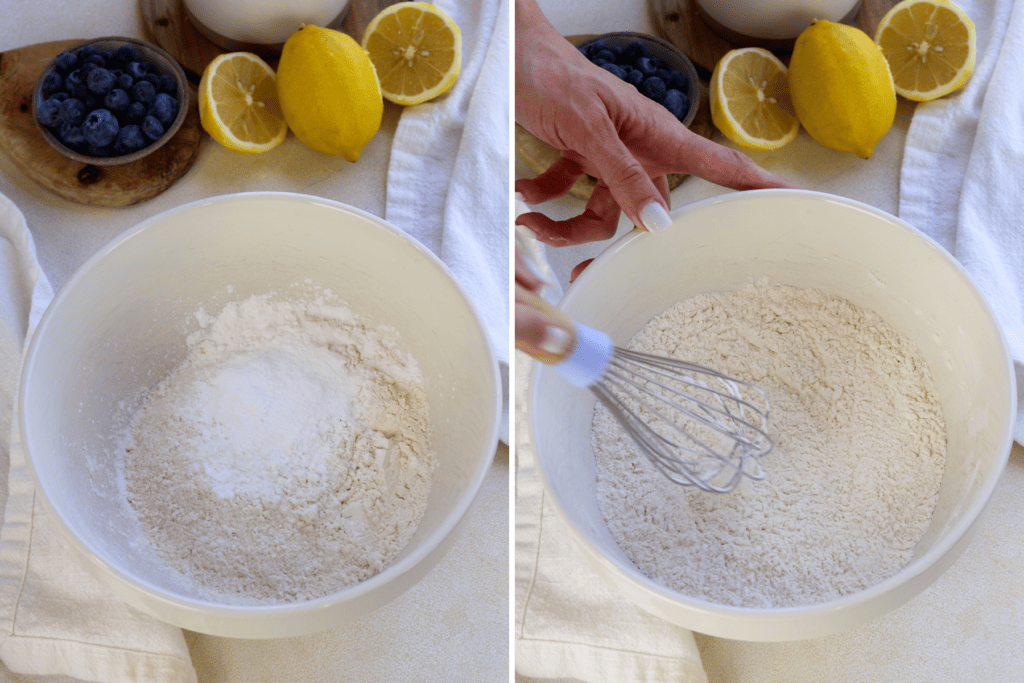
[(541, 330), (604, 127)]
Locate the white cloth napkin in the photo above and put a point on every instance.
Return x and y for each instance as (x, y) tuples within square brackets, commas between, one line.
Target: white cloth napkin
[(962, 179), (54, 618), (448, 180)]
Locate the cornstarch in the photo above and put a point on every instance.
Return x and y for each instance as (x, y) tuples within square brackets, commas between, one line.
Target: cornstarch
[(287, 457), (849, 491)]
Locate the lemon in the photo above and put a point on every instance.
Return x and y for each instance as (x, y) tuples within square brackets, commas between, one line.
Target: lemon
[(930, 46), (750, 101), (238, 103), (329, 91), (842, 89), (417, 50)]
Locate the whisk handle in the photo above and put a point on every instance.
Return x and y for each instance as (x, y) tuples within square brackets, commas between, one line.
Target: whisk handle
[(579, 353)]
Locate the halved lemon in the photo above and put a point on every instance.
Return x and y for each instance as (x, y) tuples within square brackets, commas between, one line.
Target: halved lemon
[(416, 49), (930, 47), (238, 103), (750, 101)]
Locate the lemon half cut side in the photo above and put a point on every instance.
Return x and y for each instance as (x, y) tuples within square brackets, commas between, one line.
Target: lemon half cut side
[(930, 46), (417, 51), (750, 102), (238, 103)]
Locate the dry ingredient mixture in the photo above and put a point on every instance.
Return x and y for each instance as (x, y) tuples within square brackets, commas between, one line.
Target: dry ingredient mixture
[(851, 487), (288, 456)]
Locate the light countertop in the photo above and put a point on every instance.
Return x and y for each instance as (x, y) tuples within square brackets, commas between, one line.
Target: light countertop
[(964, 627), (452, 626)]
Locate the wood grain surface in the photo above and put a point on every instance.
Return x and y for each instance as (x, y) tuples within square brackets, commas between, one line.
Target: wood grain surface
[(680, 23), (168, 25), (539, 155), (82, 183)]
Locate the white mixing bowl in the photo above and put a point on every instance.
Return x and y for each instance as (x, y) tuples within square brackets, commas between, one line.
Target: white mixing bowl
[(119, 325), (809, 240)]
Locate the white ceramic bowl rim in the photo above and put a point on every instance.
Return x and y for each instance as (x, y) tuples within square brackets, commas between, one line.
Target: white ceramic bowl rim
[(400, 567), (916, 566)]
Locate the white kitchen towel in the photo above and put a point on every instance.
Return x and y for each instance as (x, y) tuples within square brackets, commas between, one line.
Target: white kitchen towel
[(54, 617), (962, 180), (448, 178), (569, 623)]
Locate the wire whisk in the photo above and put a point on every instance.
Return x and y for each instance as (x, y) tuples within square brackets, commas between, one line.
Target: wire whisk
[(697, 426)]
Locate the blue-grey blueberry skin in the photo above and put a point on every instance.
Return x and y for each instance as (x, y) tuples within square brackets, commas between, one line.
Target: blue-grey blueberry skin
[(100, 128)]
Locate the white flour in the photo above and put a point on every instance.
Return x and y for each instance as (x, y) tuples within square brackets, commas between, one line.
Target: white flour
[(287, 457), (848, 495)]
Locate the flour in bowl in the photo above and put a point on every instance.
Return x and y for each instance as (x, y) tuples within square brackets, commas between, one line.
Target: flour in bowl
[(287, 457), (850, 489)]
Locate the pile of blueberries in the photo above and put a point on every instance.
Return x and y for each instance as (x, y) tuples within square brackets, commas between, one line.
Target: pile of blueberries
[(651, 75), (106, 103)]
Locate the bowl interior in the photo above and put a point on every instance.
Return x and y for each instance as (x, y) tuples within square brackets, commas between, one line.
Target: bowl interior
[(665, 50), (806, 240), (161, 61), (120, 323)]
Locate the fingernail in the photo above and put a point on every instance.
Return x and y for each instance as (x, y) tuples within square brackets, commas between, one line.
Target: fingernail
[(520, 197), (557, 341), (655, 218)]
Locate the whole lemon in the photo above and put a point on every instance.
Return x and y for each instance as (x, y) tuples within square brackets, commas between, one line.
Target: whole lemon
[(329, 92), (841, 87)]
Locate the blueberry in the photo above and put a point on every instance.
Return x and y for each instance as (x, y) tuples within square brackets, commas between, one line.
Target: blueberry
[(124, 82), (52, 82), (135, 112), (634, 51), (606, 54), (152, 128), (676, 102), (71, 135), (96, 59), (100, 81), (143, 91), (595, 47), (653, 87), (129, 139), (87, 68), (100, 128), (48, 112), (138, 70), (60, 96), (647, 66), (678, 81), (66, 61), (116, 100), (635, 77), (600, 62), (164, 109), (72, 111), (87, 51), (615, 70), (126, 54), (168, 85), (663, 74), (74, 84)]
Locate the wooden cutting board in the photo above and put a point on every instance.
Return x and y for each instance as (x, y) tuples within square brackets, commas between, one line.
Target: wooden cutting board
[(167, 24), (680, 23), (82, 183)]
